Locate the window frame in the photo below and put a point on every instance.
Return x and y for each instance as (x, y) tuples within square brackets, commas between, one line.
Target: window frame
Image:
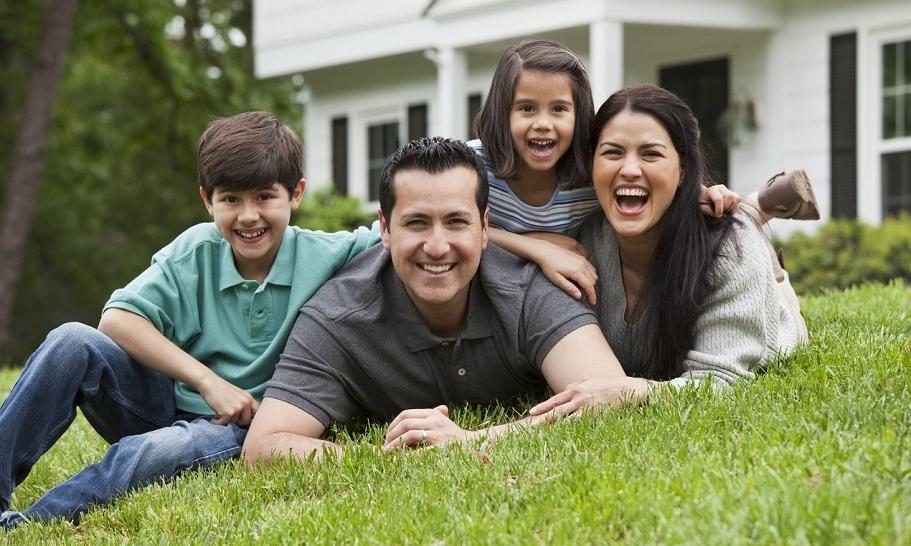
[(881, 146)]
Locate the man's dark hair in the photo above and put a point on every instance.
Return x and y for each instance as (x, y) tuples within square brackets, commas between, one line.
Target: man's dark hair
[(248, 151), (492, 122), (433, 155)]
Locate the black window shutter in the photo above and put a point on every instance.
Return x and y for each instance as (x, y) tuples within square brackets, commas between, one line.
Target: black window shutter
[(843, 123), (340, 155)]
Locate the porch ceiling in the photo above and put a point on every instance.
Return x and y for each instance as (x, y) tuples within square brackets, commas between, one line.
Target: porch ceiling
[(346, 31)]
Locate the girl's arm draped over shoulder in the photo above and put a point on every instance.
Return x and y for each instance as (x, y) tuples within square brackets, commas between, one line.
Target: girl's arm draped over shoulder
[(561, 258)]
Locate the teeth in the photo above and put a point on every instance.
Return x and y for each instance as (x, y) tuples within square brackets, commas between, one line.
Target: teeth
[(251, 234), (537, 142), (632, 192), (436, 268)]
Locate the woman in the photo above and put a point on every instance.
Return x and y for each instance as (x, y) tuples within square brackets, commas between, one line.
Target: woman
[(702, 299)]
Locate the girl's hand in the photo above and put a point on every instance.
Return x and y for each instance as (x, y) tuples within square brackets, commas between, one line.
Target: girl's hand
[(569, 270), (229, 403), (717, 199)]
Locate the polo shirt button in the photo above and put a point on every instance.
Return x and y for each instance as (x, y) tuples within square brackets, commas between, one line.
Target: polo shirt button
[(245, 286), (445, 344), (462, 371), (260, 313)]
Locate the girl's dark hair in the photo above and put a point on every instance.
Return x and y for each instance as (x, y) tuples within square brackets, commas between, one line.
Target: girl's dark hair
[(680, 276), (492, 122)]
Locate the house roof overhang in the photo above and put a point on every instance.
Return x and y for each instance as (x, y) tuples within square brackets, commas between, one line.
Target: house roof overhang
[(302, 36)]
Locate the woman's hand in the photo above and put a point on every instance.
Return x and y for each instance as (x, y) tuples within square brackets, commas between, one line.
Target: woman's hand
[(423, 427), (717, 199), (564, 261), (230, 404), (592, 393)]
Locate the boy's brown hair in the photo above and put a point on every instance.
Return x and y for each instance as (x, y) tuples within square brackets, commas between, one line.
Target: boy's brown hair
[(248, 151)]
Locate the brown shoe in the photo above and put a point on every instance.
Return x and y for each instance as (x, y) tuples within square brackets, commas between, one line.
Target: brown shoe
[(789, 195)]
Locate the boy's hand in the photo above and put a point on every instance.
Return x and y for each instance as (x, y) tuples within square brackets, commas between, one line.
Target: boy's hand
[(717, 199), (229, 403)]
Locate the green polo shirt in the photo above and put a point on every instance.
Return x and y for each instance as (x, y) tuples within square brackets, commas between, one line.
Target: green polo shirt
[(193, 294)]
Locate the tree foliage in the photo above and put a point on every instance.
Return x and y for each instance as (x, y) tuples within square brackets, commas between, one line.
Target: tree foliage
[(142, 80)]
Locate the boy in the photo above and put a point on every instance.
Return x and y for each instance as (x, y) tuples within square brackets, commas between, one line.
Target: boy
[(182, 354)]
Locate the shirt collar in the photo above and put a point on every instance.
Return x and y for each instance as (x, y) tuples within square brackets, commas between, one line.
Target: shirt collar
[(418, 337), (282, 267)]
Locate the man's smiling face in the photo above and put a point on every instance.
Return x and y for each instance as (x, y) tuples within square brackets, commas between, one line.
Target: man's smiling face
[(435, 235)]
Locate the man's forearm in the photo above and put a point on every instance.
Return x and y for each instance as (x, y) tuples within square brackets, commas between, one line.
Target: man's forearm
[(282, 445), (496, 431)]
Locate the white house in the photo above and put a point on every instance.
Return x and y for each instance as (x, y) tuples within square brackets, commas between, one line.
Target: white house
[(777, 84)]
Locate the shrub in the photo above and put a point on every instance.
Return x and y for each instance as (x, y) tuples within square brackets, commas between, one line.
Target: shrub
[(328, 211), (846, 253)]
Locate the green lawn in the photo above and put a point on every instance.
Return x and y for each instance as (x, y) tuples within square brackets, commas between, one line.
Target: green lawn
[(816, 451)]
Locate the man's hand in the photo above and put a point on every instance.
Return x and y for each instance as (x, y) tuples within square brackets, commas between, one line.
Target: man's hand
[(717, 199), (230, 404), (565, 263), (592, 393), (423, 427)]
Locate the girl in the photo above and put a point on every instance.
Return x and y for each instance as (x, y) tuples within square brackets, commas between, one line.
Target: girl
[(683, 297), (533, 132)]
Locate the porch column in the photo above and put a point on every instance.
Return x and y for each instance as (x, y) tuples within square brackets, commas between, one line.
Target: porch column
[(605, 52), (451, 108)]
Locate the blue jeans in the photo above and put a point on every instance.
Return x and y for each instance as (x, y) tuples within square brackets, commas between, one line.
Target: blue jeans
[(129, 405)]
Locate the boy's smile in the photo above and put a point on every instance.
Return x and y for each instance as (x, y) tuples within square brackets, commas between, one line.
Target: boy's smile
[(253, 222)]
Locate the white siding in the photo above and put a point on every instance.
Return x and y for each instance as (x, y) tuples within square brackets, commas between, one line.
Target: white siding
[(365, 59)]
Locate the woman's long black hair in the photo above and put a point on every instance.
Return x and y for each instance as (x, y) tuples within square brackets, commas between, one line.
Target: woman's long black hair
[(680, 276)]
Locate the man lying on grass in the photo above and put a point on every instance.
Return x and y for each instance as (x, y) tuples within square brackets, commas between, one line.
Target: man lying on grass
[(429, 320)]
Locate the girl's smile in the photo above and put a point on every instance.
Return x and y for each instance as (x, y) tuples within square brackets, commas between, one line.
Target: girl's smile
[(542, 122)]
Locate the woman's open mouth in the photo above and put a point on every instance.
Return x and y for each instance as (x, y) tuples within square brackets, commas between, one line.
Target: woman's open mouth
[(631, 200)]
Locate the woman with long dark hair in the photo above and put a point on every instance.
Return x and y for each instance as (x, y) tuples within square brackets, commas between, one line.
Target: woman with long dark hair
[(683, 297)]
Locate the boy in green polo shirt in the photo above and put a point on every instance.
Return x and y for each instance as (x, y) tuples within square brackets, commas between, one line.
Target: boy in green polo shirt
[(173, 374)]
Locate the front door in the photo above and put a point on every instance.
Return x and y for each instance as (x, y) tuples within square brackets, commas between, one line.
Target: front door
[(704, 87)]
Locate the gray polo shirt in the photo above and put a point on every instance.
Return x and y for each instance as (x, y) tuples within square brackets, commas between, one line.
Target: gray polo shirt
[(359, 349)]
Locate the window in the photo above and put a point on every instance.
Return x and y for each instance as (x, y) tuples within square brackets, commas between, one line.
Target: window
[(382, 141), (895, 159), (417, 121), (896, 173), (474, 106), (340, 154), (896, 90)]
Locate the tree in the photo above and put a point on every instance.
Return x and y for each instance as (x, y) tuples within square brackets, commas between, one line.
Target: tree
[(28, 155), (143, 78)]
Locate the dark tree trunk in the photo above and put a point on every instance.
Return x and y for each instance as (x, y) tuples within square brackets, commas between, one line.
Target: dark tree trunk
[(28, 155)]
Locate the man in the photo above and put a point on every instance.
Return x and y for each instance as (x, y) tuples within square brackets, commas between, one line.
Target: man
[(429, 320)]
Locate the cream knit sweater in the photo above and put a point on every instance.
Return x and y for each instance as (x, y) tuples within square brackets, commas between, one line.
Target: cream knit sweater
[(743, 324)]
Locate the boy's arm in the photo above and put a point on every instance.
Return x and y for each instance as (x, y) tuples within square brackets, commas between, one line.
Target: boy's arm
[(564, 263), (145, 344)]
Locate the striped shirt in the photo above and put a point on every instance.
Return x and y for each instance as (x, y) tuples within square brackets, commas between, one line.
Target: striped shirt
[(566, 209)]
